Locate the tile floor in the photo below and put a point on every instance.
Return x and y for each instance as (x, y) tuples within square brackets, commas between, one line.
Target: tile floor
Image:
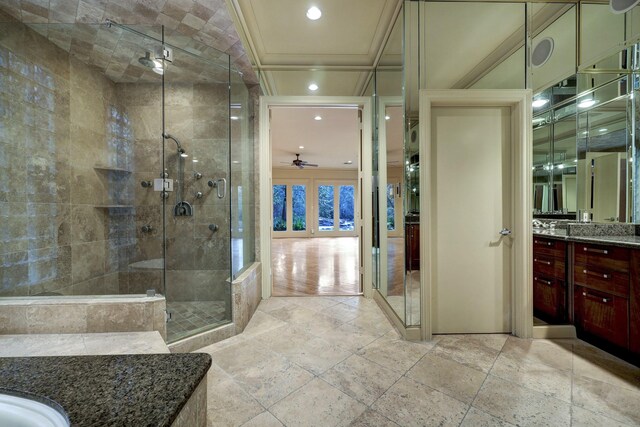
[(190, 317), (336, 361)]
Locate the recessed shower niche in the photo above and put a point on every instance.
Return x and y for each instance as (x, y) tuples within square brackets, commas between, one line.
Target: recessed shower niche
[(109, 137)]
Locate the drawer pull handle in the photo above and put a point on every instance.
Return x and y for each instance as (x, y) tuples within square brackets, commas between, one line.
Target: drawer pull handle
[(604, 275), (593, 297), (546, 282), (542, 261), (597, 251), (539, 242)]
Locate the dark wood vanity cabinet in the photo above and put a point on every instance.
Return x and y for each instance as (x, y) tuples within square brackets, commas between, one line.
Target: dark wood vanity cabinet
[(549, 280), (601, 278), (634, 305)]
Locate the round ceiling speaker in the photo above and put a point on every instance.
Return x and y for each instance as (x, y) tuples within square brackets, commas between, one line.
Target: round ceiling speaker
[(622, 6), (542, 52)]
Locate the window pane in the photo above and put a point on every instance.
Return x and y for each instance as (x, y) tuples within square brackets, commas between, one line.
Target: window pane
[(279, 208), (325, 207), (347, 208), (391, 220), (299, 208)]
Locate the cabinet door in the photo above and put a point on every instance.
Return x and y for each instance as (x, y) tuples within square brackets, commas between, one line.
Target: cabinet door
[(634, 301), (549, 299), (602, 315)]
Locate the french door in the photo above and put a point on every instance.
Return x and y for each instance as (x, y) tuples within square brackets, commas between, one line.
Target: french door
[(336, 212)]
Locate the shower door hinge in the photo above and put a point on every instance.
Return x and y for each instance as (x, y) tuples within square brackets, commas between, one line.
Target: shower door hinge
[(167, 53), (167, 316)]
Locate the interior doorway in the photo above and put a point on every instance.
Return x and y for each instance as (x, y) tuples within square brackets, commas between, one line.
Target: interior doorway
[(315, 233), (314, 196)]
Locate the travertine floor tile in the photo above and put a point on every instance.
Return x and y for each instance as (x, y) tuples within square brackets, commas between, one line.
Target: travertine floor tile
[(358, 378), (591, 362), (342, 312), (265, 419), (267, 376), (371, 418), (608, 400), (583, 418), (535, 376), (262, 322), (448, 376), (394, 353), (409, 403), (317, 404), (315, 303), (557, 354), (476, 351), (348, 336), (227, 403), (477, 418), (517, 405), (312, 353)]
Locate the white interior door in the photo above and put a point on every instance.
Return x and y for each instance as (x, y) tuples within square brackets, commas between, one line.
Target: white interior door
[(471, 172)]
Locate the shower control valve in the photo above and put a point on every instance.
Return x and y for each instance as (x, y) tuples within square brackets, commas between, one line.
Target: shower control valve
[(213, 227), (198, 194), (197, 175), (147, 228), (146, 184)]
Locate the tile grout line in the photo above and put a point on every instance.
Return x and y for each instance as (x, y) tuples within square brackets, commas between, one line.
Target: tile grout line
[(484, 381)]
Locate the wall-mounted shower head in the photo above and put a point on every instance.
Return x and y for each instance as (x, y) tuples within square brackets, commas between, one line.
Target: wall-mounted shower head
[(151, 62), (180, 149)]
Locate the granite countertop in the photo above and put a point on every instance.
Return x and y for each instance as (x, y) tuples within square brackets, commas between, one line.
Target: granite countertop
[(561, 234), (132, 390)]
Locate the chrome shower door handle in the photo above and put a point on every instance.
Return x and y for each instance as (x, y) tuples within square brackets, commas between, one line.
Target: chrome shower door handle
[(221, 191), (505, 232)]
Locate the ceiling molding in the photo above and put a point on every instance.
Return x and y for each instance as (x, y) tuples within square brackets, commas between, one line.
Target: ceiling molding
[(387, 35)]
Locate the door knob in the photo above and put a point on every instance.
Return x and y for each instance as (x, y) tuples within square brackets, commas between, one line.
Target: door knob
[(505, 232)]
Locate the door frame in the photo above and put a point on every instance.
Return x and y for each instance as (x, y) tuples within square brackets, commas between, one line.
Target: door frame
[(364, 209), (519, 101)]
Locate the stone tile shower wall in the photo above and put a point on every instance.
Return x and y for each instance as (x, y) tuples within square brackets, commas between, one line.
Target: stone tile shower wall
[(197, 259), (60, 121), (74, 148)]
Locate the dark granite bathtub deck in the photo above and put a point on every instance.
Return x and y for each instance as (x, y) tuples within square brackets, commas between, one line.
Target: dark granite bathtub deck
[(119, 390)]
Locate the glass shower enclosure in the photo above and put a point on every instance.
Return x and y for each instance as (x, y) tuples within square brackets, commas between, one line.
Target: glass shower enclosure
[(117, 169)]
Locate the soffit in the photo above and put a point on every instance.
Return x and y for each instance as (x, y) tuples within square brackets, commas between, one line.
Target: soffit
[(328, 142)]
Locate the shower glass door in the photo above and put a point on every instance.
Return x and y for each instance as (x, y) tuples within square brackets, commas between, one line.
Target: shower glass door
[(197, 211)]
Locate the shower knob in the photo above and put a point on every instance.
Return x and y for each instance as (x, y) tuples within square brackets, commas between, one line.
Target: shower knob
[(197, 175), (211, 183), (147, 228), (146, 184), (198, 194), (213, 227)]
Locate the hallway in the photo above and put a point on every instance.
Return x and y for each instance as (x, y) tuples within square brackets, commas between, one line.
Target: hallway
[(315, 266), (336, 361)]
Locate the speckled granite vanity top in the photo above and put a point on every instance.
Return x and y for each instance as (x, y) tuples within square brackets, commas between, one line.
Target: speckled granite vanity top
[(605, 234), (116, 390)]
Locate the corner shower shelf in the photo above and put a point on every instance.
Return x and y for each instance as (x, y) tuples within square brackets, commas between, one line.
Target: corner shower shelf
[(111, 169)]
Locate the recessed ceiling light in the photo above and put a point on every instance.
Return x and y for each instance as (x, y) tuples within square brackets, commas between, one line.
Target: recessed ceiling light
[(184, 155), (540, 102), (301, 147), (235, 162), (314, 13), (587, 103), (234, 118), (195, 160), (317, 118), (603, 130), (348, 162), (387, 117), (313, 87)]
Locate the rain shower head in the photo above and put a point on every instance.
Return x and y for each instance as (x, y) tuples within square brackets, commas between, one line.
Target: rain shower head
[(148, 61), (180, 149)]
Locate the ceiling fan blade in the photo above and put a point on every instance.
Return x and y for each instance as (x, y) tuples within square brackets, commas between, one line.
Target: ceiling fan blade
[(300, 166), (311, 164)]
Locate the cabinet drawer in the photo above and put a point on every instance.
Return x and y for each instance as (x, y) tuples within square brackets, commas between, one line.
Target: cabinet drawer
[(602, 315), (607, 258), (602, 279), (549, 299), (549, 266), (548, 247)]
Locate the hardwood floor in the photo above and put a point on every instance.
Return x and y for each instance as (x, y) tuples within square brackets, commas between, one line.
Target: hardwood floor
[(315, 266)]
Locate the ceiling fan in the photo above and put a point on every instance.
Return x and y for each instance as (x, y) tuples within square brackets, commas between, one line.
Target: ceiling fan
[(301, 163)]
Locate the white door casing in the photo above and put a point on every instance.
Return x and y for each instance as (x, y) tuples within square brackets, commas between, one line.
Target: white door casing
[(363, 207), (518, 298)]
